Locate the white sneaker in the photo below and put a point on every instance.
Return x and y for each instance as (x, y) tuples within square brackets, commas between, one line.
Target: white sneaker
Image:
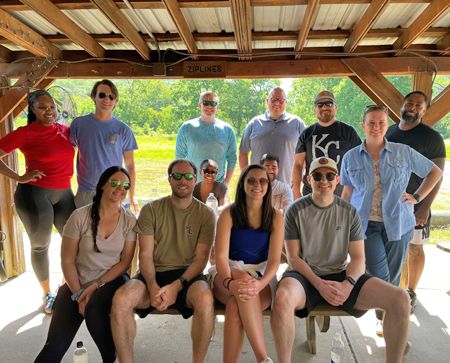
[(267, 360)]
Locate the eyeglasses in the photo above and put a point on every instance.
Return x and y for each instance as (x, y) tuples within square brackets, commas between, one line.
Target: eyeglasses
[(178, 176), (321, 104), (209, 171), (115, 183), (277, 100), (262, 181), (212, 103), (318, 176), (103, 95)]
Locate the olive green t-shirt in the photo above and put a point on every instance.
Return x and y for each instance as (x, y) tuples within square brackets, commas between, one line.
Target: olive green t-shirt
[(176, 231)]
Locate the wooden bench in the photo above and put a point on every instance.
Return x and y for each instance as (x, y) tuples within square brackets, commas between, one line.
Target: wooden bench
[(321, 314)]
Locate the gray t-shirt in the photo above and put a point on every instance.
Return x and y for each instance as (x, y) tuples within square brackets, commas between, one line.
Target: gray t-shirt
[(90, 264), (280, 193), (264, 135), (324, 233)]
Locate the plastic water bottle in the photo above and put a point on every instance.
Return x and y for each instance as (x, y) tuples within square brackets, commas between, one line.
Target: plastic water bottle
[(126, 203), (212, 203), (80, 355), (154, 194), (337, 349)]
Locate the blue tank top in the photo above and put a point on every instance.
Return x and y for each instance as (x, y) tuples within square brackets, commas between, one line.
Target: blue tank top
[(249, 245)]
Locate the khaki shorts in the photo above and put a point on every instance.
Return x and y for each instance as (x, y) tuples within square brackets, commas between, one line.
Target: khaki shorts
[(83, 198), (422, 233)]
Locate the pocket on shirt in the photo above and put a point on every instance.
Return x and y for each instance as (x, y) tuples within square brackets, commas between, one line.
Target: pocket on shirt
[(356, 174), (112, 140), (400, 170)]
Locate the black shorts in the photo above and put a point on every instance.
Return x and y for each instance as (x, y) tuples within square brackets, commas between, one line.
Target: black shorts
[(166, 278), (313, 297)]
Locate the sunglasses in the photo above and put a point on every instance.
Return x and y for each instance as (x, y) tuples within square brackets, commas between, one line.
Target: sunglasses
[(115, 183), (318, 176), (209, 171), (321, 104), (103, 95), (262, 181), (212, 103), (277, 100), (178, 176)]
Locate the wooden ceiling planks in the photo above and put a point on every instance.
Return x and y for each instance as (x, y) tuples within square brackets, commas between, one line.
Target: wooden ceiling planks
[(310, 13), (240, 13)]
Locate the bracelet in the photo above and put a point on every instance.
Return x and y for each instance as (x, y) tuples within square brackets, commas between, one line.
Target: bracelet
[(76, 295), (225, 284)]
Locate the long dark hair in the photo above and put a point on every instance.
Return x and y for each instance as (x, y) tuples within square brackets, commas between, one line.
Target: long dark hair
[(238, 209), (32, 97), (98, 196)]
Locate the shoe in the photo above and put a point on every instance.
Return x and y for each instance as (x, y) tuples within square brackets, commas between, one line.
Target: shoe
[(267, 360), (413, 298), (407, 348), (49, 299), (379, 328)]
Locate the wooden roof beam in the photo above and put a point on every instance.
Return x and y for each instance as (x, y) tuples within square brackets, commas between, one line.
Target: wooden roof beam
[(444, 44), (14, 97), (370, 16), (5, 54), (372, 78), (439, 108), (112, 12), (242, 24), (22, 35), (180, 22), (425, 20), (47, 10), (310, 13)]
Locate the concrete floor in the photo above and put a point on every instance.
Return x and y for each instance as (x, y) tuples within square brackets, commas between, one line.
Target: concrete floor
[(162, 338)]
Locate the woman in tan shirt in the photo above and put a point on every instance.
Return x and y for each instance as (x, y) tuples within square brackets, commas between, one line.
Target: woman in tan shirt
[(97, 248)]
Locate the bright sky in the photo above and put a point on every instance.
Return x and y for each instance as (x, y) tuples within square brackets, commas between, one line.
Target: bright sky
[(286, 84)]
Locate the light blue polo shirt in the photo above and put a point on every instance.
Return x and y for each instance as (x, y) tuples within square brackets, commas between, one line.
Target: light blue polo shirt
[(396, 162)]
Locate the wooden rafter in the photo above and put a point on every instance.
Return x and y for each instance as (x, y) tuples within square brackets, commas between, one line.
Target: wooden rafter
[(15, 5), (373, 96), (182, 26), (370, 16), (5, 54), (439, 108), (112, 12), (242, 24), (422, 81), (14, 97), (20, 34), (65, 25), (444, 44), (426, 19), (377, 83), (310, 13)]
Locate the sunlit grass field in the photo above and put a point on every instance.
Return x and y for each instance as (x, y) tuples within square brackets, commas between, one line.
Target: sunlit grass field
[(156, 153)]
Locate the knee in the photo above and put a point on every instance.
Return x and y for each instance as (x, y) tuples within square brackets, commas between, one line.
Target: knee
[(415, 250), (121, 301), (400, 303), (204, 301), (283, 301)]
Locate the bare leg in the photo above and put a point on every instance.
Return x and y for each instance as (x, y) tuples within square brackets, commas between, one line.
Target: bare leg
[(289, 298), (233, 333), (395, 301), (131, 295), (45, 286), (200, 298), (416, 265)]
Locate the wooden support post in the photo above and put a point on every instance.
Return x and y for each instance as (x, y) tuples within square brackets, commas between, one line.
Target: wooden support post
[(311, 334), (440, 107), (422, 81), (9, 222)]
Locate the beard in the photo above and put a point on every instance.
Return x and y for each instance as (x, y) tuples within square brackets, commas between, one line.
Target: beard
[(410, 119), (181, 194)]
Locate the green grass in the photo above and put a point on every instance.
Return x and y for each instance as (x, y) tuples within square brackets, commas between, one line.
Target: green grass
[(447, 149), (438, 234)]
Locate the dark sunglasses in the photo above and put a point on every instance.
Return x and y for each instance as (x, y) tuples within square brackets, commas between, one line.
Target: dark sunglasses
[(328, 104), (103, 95), (115, 183), (212, 103), (209, 171), (318, 176), (178, 176), (262, 181)]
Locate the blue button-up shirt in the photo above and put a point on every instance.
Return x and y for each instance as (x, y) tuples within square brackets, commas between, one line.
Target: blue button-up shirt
[(396, 162)]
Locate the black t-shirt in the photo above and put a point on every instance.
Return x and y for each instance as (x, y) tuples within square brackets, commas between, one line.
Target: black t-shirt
[(424, 140), (332, 142)]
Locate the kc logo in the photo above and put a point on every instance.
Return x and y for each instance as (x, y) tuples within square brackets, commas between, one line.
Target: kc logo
[(324, 149)]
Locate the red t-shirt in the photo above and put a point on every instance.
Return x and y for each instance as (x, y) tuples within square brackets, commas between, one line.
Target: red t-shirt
[(46, 148)]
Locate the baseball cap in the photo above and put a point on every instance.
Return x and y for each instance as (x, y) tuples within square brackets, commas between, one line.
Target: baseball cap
[(324, 95), (323, 162)]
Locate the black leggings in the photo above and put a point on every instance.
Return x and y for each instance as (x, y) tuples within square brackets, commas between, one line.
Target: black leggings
[(66, 321), (40, 209)]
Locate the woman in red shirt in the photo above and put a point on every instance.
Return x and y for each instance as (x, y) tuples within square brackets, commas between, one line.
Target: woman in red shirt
[(43, 195)]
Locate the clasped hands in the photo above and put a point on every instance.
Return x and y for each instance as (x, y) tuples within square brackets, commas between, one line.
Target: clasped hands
[(245, 289), (334, 292), (162, 297)]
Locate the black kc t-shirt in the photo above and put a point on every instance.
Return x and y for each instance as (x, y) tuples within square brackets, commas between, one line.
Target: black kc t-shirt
[(332, 142), (424, 140)]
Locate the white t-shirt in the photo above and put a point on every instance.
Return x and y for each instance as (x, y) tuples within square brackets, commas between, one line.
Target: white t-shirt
[(280, 193)]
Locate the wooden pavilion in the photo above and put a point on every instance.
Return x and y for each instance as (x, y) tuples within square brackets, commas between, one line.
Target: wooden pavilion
[(365, 40)]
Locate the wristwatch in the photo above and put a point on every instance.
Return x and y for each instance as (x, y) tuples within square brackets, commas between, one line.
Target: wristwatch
[(184, 282), (100, 283), (351, 280), (416, 197)]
